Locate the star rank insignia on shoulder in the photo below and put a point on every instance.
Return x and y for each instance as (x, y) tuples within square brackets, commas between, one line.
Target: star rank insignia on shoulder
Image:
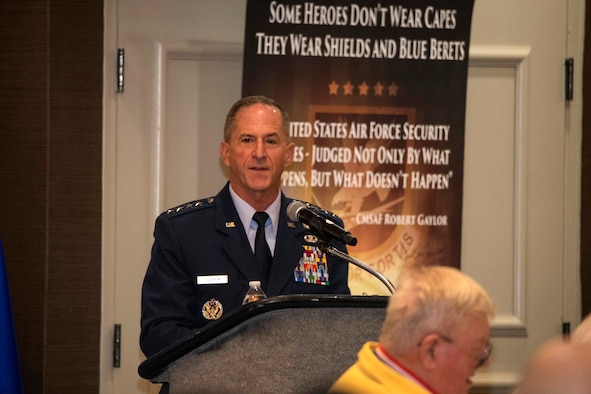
[(190, 206)]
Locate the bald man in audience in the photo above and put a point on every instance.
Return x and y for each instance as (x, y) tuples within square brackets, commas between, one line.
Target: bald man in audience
[(582, 333), (558, 366)]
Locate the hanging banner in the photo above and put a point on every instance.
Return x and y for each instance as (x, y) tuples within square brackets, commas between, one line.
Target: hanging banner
[(376, 93)]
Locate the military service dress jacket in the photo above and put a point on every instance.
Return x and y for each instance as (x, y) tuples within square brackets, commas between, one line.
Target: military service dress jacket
[(202, 262)]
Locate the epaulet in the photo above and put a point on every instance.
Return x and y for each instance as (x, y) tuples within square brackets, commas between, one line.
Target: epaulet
[(191, 206)]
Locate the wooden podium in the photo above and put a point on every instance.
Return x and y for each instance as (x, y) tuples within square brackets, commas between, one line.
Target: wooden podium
[(284, 344)]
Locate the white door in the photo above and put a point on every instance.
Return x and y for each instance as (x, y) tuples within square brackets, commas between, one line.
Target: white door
[(182, 70), (183, 64), (520, 225)]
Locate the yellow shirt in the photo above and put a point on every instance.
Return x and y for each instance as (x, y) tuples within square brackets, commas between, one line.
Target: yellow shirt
[(371, 375)]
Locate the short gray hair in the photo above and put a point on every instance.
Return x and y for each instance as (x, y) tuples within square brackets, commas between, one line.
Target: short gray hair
[(431, 299), (248, 101)]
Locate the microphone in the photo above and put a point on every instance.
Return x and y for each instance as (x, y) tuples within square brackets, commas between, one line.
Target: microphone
[(298, 212)]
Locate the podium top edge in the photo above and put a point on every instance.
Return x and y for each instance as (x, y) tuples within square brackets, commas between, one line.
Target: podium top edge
[(157, 363)]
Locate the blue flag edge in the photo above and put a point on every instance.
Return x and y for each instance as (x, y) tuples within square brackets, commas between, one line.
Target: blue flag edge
[(10, 374)]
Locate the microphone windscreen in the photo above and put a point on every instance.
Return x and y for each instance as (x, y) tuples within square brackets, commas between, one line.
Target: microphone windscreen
[(293, 208)]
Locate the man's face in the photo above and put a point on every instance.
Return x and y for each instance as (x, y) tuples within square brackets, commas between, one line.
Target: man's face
[(456, 366), (257, 152)]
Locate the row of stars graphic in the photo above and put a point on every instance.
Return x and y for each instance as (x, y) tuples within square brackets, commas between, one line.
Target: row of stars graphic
[(363, 89)]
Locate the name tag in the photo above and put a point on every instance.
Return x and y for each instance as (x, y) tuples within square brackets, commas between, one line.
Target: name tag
[(212, 280)]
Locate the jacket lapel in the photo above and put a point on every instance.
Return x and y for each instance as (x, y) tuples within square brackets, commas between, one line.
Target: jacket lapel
[(287, 256), (236, 243)]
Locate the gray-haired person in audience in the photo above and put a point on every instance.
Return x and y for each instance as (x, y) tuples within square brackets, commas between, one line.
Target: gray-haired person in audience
[(434, 338)]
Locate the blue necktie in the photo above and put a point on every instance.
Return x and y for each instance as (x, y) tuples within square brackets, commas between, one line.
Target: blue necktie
[(262, 253)]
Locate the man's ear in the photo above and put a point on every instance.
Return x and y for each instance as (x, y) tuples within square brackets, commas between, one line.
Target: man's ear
[(224, 153), (429, 350), (290, 151)]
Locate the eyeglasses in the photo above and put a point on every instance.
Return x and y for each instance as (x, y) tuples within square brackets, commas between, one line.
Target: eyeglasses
[(481, 358)]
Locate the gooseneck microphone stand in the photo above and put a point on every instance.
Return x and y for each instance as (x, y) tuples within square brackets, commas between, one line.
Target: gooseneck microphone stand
[(344, 256)]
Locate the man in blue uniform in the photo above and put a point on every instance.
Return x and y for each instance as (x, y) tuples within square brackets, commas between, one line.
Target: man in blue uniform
[(202, 257)]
